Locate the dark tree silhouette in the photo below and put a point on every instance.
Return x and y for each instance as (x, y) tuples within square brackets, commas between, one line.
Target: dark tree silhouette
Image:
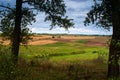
[(106, 14), (17, 31)]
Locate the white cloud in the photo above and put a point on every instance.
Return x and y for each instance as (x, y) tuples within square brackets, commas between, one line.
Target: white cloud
[(70, 31), (78, 5)]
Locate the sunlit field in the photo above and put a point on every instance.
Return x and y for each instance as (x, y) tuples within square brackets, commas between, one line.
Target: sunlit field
[(64, 57), (68, 57)]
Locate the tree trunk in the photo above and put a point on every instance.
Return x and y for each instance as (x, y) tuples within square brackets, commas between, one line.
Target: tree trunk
[(17, 31), (114, 49)]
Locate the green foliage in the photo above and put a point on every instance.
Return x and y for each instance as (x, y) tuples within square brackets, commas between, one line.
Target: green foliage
[(103, 56), (100, 14), (54, 10), (7, 68), (10, 71)]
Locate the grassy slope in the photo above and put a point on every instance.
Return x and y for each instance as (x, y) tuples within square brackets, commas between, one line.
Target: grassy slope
[(63, 51)]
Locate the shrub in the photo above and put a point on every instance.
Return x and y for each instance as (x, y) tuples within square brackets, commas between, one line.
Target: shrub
[(8, 71), (53, 36), (7, 68)]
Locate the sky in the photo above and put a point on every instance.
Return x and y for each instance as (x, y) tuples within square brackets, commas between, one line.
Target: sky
[(76, 10)]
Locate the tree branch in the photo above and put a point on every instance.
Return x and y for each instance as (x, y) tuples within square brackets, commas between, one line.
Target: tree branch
[(24, 1), (7, 7)]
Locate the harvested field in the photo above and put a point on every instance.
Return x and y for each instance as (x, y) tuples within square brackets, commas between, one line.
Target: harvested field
[(41, 42), (47, 39)]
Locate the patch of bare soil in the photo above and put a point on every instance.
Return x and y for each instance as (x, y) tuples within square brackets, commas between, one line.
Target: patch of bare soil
[(92, 43), (5, 42), (73, 38), (98, 41), (41, 37), (42, 42)]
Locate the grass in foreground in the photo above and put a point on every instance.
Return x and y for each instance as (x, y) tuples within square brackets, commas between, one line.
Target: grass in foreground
[(61, 61)]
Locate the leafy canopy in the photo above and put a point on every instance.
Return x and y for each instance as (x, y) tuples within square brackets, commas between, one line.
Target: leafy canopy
[(54, 11), (100, 14)]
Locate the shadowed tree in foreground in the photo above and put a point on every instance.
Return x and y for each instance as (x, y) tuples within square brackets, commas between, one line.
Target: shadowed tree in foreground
[(53, 9), (106, 14)]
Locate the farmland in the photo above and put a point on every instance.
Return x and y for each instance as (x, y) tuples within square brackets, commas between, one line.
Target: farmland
[(67, 47), (65, 57)]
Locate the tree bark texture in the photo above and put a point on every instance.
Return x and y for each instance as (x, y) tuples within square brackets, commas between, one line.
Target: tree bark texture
[(17, 31), (114, 49)]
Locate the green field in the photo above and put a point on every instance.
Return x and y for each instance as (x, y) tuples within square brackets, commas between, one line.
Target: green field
[(74, 60), (63, 51)]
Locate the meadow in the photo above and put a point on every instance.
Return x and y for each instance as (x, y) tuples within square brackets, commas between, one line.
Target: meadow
[(64, 57)]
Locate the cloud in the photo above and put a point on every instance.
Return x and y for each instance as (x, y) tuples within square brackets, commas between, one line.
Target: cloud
[(70, 31), (77, 10)]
